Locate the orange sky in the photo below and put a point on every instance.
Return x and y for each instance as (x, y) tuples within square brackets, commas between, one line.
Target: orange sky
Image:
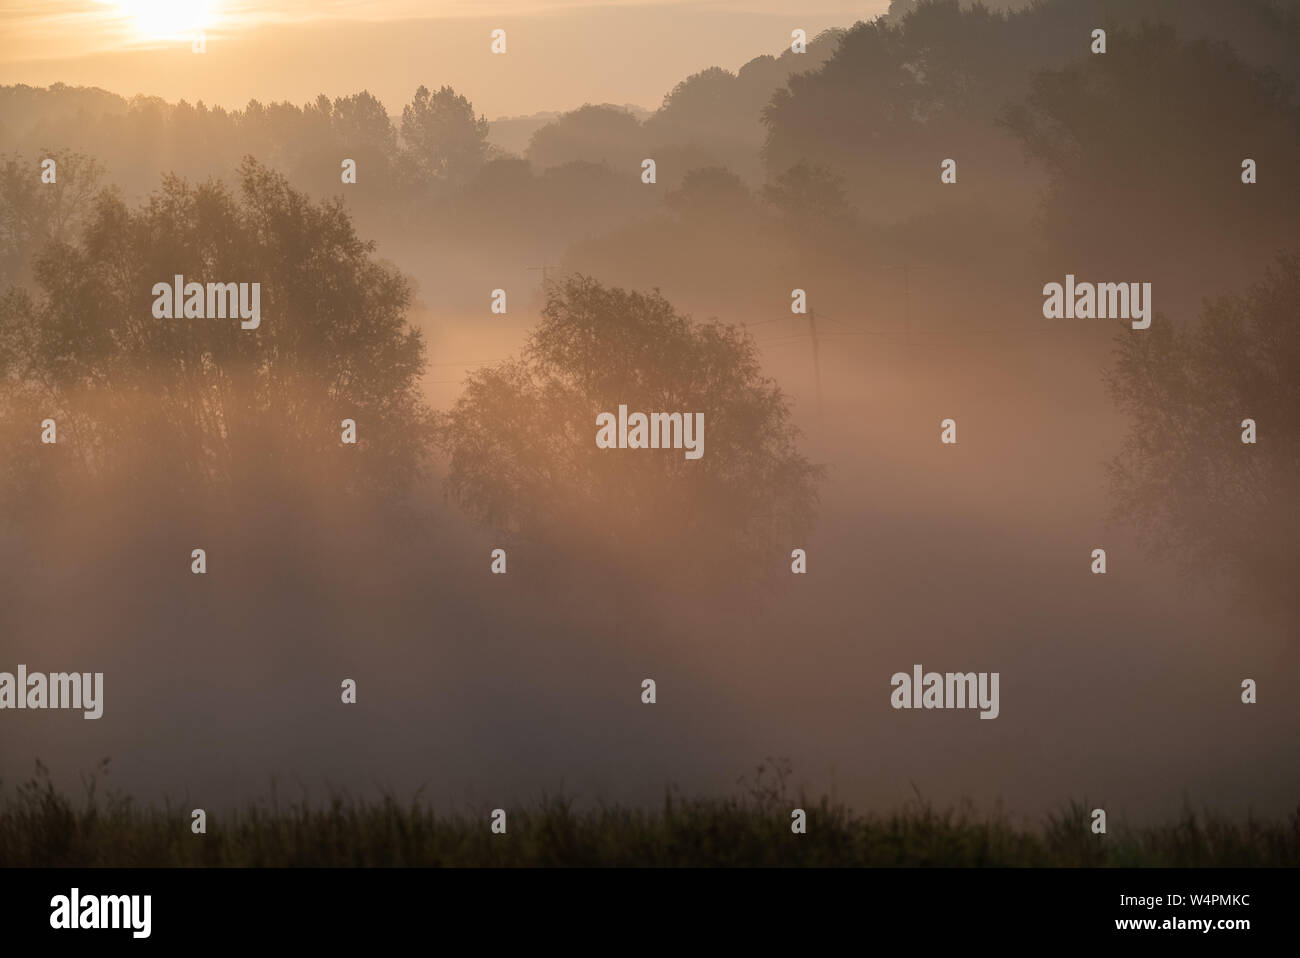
[(560, 55)]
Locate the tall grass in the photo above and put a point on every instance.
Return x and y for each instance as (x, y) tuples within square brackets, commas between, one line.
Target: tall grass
[(39, 826)]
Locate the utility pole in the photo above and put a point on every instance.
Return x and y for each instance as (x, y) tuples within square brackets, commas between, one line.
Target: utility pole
[(907, 311), (907, 304), (817, 366)]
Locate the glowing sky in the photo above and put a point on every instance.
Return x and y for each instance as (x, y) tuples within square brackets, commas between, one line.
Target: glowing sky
[(41, 29), (561, 54)]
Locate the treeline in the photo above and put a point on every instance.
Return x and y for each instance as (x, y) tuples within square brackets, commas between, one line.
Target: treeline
[(431, 168), (1061, 153), (816, 170)]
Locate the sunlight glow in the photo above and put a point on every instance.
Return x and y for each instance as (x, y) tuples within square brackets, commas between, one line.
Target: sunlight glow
[(167, 19)]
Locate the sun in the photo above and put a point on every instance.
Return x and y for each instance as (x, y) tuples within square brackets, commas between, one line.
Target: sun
[(167, 19)]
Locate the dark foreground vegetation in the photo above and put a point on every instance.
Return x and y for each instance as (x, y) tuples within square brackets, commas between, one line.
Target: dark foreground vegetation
[(40, 826)]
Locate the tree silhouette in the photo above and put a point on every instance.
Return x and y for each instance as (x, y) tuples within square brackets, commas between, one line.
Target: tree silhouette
[(1184, 476), (891, 101), (590, 134), (186, 406), (33, 213), (718, 113), (1194, 104), (444, 141), (809, 197), (711, 192), (522, 437)]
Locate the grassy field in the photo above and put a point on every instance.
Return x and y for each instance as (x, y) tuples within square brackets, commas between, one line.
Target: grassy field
[(39, 826)]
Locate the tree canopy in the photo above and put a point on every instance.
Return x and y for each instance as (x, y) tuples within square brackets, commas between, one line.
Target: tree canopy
[(201, 404), (446, 142), (523, 455), (1185, 477)]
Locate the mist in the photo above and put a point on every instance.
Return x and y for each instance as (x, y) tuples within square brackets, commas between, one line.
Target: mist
[(327, 563)]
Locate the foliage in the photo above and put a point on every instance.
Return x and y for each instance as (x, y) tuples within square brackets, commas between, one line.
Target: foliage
[(521, 438), (1184, 476), (445, 142), (39, 826), (203, 402), (31, 217)]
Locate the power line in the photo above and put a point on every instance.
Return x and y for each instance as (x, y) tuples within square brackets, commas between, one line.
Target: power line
[(545, 270), (476, 362)]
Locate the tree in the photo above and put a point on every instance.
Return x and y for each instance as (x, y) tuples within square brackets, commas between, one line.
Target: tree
[(695, 107), (443, 140), (591, 134), (1184, 475), (33, 212), (712, 192), (1193, 104), (522, 437), (892, 101), (809, 197), (362, 119), (189, 406), (718, 112)]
